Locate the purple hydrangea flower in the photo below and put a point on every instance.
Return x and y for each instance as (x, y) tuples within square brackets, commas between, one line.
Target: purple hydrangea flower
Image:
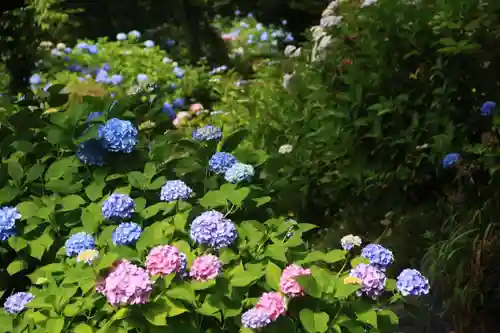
[(179, 72), (115, 79), (487, 108), (92, 49), (142, 77), (126, 233), (450, 160), (239, 172), (175, 190), (213, 229), (207, 133), (255, 318), (373, 280), (221, 161), (79, 242), (16, 303), (102, 76), (118, 135), (119, 206), (35, 79), (378, 255), (179, 103), (412, 282)]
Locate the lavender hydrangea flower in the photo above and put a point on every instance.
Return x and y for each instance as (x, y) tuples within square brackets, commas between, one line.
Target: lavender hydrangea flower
[(119, 206), (17, 302), (121, 36), (79, 242), (213, 229), (239, 172), (175, 190), (207, 133), (350, 241), (378, 255), (118, 135), (115, 79), (487, 108), (142, 77), (91, 152), (179, 72), (450, 160), (412, 282), (220, 162), (373, 280), (149, 44), (126, 233), (255, 318), (35, 79)]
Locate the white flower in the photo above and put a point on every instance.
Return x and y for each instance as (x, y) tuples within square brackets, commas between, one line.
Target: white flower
[(61, 46), (286, 80), (167, 60), (330, 21), (239, 50), (292, 51), (318, 32), (368, 3), (330, 9), (285, 149), (350, 241)]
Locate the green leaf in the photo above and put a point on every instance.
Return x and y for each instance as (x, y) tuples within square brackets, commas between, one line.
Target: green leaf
[(152, 210), (35, 172), (232, 141), (15, 170), (157, 183), (27, 209), (276, 252), (137, 180), (71, 202), (365, 313), (94, 190), (156, 313), (307, 319), (55, 325), (387, 320), (9, 193), (149, 170), (245, 278), (82, 328), (273, 275), (184, 292), (359, 260), (335, 256), (16, 266), (390, 285), (262, 201), (107, 260), (344, 290), (314, 256), (60, 167), (213, 199), (227, 255), (310, 286), (92, 217)]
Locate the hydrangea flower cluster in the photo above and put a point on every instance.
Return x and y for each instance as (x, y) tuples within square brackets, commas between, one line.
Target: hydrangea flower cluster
[(87, 256), (79, 242), (213, 229), (164, 260), (182, 272), (273, 304), (412, 282), (487, 108), (118, 206), (118, 135), (8, 218), (205, 268), (126, 233), (127, 284), (239, 172), (220, 162), (288, 284), (255, 318), (17, 302), (450, 160), (373, 279), (91, 152), (378, 255), (207, 133), (349, 241), (175, 190)]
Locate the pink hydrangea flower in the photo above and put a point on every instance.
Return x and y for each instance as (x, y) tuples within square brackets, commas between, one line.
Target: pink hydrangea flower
[(205, 268), (163, 260), (228, 37), (179, 119), (288, 284), (273, 304), (127, 284), (196, 108)]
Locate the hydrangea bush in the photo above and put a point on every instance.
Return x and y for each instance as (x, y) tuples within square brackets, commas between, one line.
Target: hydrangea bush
[(174, 229)]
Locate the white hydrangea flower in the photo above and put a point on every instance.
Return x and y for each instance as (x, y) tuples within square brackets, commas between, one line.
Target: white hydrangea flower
[(61, 46), (330, 9), (349, 241), (318, 32), (286, 80), (292, 51), (367, 3), (330, 21), (285, 149)]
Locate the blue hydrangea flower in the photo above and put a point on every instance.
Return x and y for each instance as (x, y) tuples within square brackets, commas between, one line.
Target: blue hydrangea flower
[(221, 161), (378, 255), (134, 34), (179, 103), (255, 318), (213, 229), (487, 108), (35, 79), (259, 26), (126, 233), (102, 76), (179, 72), (115, 79), (264, 36), (167, 60), (68, 50), (118, 135), (92, 49), (373, 280), (450, 160), (118, 206), (121, 36), (239, 172), (169, 109), (79, 242), (182, 272), (142, 77), (6, 234), (149, 44), (82, 46), (237, 12), (16, 303), (289, 37), (412, 282), (170, 42), (91, 152), (8, 217), (106, 67), (175, 190), (207, 133)]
